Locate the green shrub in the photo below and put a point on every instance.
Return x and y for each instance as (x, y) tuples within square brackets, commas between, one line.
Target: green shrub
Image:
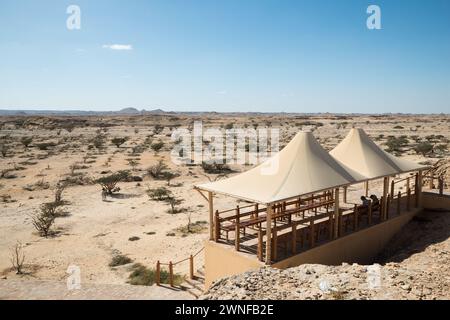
[(119, 260), (143, 276)]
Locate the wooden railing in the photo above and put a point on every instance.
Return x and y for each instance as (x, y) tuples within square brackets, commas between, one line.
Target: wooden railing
[(171, 265)]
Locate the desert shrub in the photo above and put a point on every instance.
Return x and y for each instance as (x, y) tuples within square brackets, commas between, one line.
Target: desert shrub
[(109, 182), (59, 189), (4, 149), (45, 145), (156, 171), (169, 176), (399, 127), (215, 168), (146, 277), (174, 202), (5, 173), (157, 146), (192, 227), (424, 148), (17, 257), (396, 143), (160, 194), (118, 141), (26, 141), (119, 260), (98, 141), (229, 126), (158, 129), (133, 164), (44, 219)]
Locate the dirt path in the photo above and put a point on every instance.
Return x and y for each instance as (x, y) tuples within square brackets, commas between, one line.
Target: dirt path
[(56, 290)]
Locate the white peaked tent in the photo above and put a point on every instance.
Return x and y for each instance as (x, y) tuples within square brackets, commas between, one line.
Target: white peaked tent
[(359, 153), (301, 168)]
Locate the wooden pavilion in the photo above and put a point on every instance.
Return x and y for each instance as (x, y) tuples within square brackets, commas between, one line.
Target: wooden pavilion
[(297, 200)]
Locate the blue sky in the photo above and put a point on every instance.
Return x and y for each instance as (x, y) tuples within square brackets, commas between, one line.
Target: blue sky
[(226, 55)]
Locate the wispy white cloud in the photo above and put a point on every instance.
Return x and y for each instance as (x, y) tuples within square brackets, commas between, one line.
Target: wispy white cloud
[(124, 47)]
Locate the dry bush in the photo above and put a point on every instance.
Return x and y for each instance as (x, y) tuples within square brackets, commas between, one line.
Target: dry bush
[(157, 146), (118, 141), (160, 194), (109, 183), (156, 171), (17, 257), (44, 219)]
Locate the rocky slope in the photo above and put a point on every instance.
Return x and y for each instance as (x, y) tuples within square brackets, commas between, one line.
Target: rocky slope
[(415, 265)]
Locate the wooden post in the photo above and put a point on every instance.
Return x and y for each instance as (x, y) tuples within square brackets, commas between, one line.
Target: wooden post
[(260, 245), (388, 203), (294, 239), (311, 234), (369, 214), (330, 227), (392, 190), (236, 230), (269, 234), (191, 267), (441, 185), (366, 187), (431, 181), (158, 273), (217, 226), (380, 208), (355, 218), (408, 182), (336, 213), (256, 210), (419, 189), (399, 199), (408, 199), (275, 241), (416, 191), (385, 197), (171, 273), (345, 195), (211, 215)]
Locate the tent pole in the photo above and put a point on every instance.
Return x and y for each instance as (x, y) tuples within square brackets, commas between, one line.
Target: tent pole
[(211, 215), (336, 213), (269, 234)]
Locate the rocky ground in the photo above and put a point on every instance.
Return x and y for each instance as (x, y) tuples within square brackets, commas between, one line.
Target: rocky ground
[(415, 265)]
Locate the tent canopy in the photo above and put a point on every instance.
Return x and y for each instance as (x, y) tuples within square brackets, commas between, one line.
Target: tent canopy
[(358, 152), (302, 167)]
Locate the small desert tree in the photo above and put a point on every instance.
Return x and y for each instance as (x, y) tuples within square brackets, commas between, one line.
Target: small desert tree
[(174, 202), (118, 141), (157, 146), (59, 189), (17, 257), (156, 171), (133, 164), (168, 176), (160, 194), (26, 141), (44, 219), (424, 148), (4, 149), (109, 182)]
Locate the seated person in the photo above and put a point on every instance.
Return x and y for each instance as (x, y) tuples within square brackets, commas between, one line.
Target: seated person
[(375, 199), (365, 201)]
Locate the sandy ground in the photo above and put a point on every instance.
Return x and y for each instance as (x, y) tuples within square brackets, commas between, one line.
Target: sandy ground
[(95, 230)]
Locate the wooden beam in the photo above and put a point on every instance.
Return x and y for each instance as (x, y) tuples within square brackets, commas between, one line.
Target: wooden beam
[(399, 199), (201, 193), (311, 234), (217, 227), (211, 215), (336, 213), (260, 244), (392, 190), (269, 234)]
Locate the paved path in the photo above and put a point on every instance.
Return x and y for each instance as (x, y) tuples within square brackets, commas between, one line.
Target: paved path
[(54, 290)]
